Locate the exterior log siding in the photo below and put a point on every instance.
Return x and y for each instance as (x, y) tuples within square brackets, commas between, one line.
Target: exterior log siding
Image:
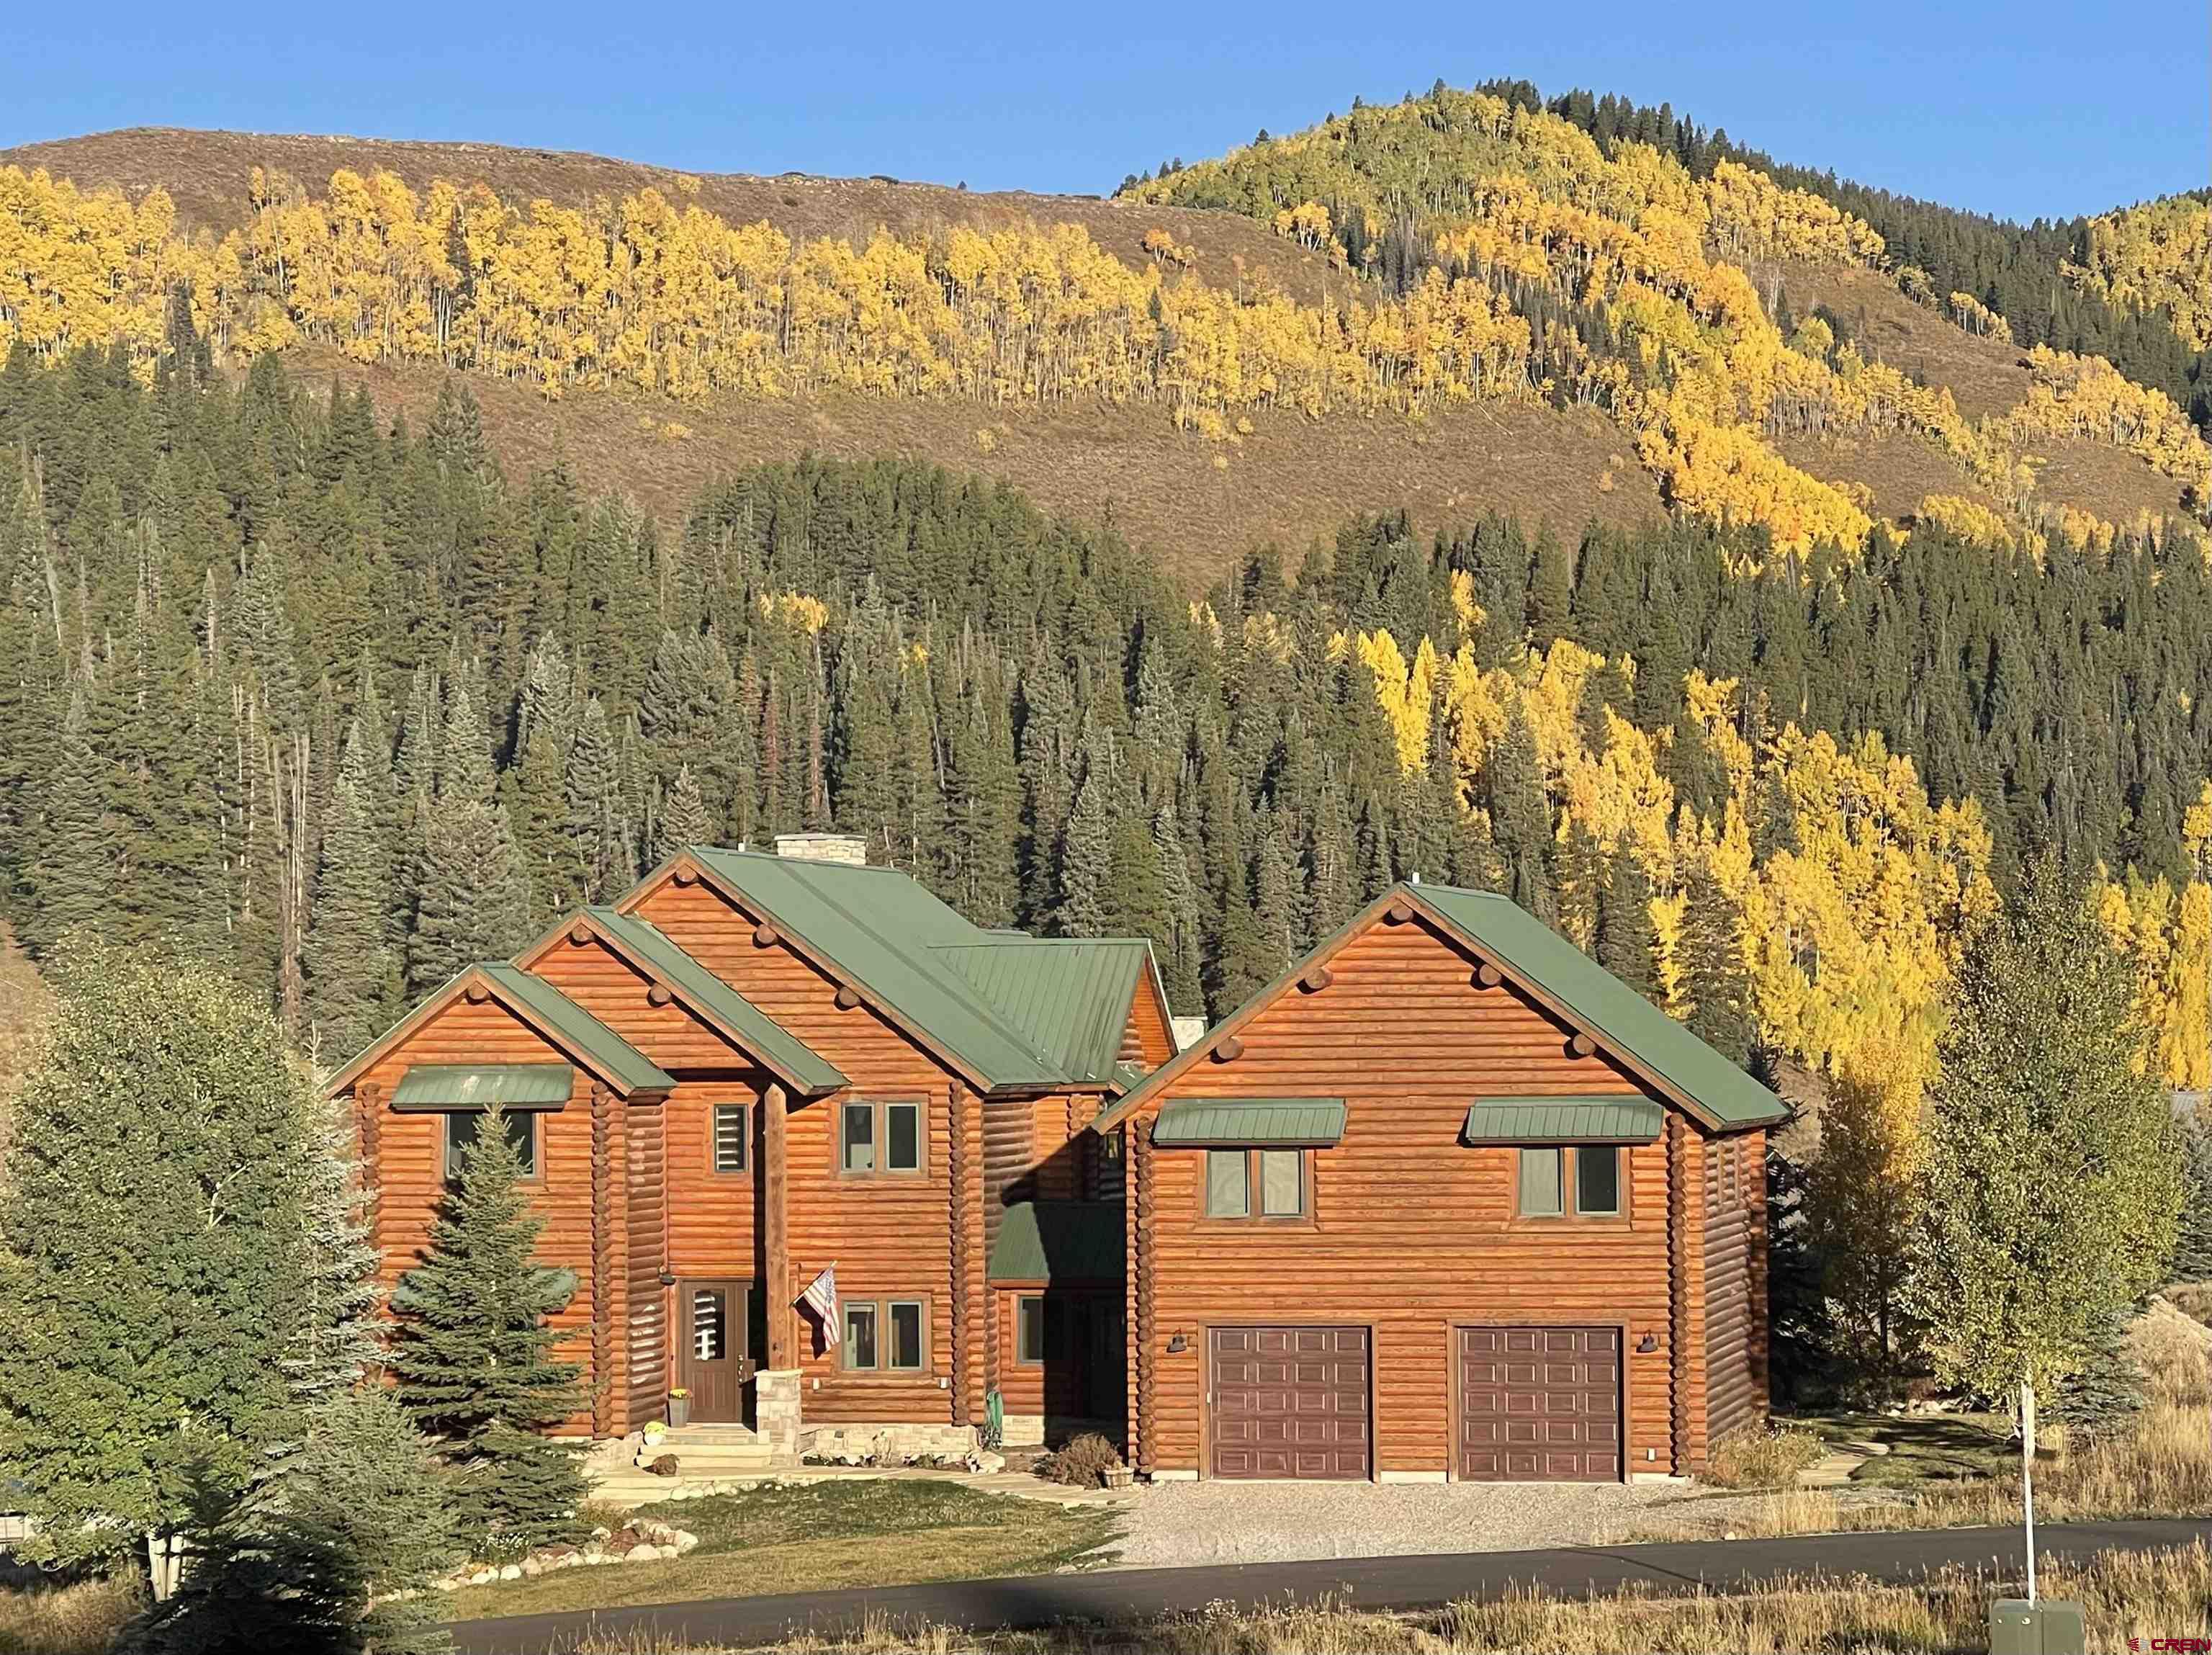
[(410, 1152), (888, 1234), (1411, 1232), (1735, 1175)]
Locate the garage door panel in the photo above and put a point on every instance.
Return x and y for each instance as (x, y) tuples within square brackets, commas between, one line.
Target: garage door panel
[(1540, 1404), (1289, 1403)]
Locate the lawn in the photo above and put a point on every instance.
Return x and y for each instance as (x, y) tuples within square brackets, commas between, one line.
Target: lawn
[(819, 1537), (1923, 1448)]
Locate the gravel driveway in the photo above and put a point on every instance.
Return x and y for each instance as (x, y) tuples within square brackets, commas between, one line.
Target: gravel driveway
[(1173, 1523)]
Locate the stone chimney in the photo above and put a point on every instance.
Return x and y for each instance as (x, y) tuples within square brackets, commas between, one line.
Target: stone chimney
[(846, 850)]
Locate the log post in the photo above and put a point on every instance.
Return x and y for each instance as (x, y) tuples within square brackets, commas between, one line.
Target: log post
[(1144, 1358), (776, 1231), (368, 1130), (970, 1294), (602, 1262)]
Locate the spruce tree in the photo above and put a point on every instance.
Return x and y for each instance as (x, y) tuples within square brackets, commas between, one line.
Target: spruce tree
[(352, 970), (473, 899), (1086, 850), (1626, 939), (683, 819), (2192, 1248), (2053, 1171), (1713, 971), (473, 1355), (73, 875), (599, 856)]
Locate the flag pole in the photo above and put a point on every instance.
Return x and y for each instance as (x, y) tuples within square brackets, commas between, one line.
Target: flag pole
[(2027, 1477)]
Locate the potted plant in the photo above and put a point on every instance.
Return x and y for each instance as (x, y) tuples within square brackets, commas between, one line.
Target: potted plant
[(679, 1406), (1116, 1477)]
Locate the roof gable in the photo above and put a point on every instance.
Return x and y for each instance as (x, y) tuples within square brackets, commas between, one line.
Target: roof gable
[(559, 1020), (1546, 969), (647, 948), (1011, 1028)]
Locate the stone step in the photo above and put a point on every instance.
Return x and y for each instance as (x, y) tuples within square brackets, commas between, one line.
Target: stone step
[(706, 1462)]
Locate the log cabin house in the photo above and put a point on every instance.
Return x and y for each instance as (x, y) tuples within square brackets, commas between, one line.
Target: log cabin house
[(751, 1067), (1446, 1200)]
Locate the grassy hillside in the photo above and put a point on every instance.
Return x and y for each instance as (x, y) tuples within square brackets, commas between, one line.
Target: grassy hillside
[(1457, 305)]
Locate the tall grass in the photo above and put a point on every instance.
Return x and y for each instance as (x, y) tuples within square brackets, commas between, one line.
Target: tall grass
[(2146, 1595), (80, 1619)]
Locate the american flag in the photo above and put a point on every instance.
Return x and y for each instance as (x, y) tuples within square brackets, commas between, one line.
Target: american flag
[(821, 1298)]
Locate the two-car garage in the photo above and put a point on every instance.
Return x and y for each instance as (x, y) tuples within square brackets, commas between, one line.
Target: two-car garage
[(1529, 1403)]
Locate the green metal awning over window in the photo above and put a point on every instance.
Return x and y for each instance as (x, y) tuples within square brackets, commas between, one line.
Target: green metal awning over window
[(1194, 1122), (479, 1085), (1564, 1121)]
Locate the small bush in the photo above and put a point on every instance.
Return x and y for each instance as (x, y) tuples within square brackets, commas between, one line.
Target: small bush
[(1768, 1456), (1079, 1465)]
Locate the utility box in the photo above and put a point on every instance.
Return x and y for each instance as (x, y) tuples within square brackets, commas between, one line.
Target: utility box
[(2043, 1628)]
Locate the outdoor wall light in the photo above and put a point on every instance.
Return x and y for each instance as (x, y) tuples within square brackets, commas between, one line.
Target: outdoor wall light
[(1177, 1345), (1647, 1344)]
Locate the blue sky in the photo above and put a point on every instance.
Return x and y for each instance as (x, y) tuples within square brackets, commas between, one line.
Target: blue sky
[(2021, 108)]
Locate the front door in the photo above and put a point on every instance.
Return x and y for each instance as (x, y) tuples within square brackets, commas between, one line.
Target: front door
[(712, 1353)]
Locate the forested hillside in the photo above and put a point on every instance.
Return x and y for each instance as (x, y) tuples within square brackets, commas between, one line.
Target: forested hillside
[(1464, 301), (338, 702)]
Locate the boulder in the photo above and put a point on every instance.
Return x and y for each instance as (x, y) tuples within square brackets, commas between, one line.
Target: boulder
[(511, 1572), (641, 1552), (683, 1541)]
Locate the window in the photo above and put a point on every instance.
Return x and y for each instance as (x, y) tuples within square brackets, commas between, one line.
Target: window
[(1277, 1177), (461, 1127), (1029, 1329), (879, 1138), (1597, 1181), (1545, 1178), (709, 1325), (861, 1336), (1539, 1183), (890, 1336), (1228, 1186), (733, 1138), (906, 1334), (859, 1138)]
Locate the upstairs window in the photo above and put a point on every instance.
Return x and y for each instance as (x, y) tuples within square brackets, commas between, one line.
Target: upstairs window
[(1577, 1181), (1266, 1184), (879, 1138), (463, 1124)]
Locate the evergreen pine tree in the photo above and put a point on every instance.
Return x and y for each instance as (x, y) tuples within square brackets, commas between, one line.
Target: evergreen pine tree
[(600, 856), (473, 1354), (1626, 939), (682, 818), (2192, 1250), (73, 875), (473, 899), (352, 970)]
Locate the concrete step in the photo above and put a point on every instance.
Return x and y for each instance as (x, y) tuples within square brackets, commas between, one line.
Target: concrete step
[(708, 1462)]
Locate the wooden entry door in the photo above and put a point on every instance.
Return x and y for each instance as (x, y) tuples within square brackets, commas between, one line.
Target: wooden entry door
[(1540, 1404), (1288, 1402), (714, 1348)]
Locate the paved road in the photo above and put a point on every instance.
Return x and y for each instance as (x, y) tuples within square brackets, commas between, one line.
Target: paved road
[(1370, 1583)]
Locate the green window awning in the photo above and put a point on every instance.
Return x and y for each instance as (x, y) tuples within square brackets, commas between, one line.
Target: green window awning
[(1060, 1242), (1564, 1121), (479, 1085), (1195, 1123)]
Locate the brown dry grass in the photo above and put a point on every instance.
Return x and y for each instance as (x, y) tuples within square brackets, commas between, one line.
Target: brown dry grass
[(2163, 1467), (1294, 482), (2124, 1595), (1985, 376), (82, 1618)]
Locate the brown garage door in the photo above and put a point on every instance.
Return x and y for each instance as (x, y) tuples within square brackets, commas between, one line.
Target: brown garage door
[(1540, 1404), (1289, 1403)]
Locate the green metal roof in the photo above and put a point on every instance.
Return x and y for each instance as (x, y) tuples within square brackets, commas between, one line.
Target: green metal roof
[(782, 1050), (1068, 996), (1189, 1122), (600, 1046), (471, 1086), (1060, 1242), (888, 934), (1564, 1121), (1620, 1017)]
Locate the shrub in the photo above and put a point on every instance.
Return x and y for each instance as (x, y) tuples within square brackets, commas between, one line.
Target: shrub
[(1081, 1463), (1762, 1456)]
